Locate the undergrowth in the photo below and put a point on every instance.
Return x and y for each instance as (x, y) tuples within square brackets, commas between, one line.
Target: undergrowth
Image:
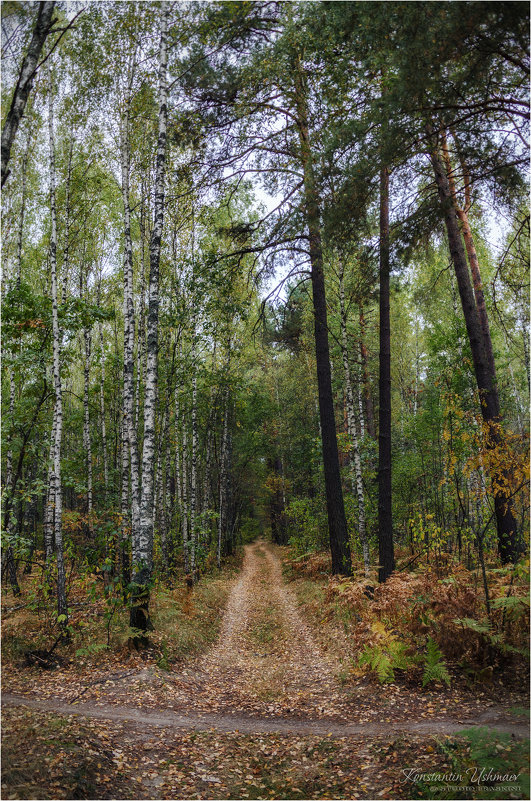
[(429, 624), (186, 620)]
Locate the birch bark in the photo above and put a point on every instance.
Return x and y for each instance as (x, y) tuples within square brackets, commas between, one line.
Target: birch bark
[(193, 478), (55, 483), (223, 477), (143, 555), (24, 83), (129, 332), (356, 473)]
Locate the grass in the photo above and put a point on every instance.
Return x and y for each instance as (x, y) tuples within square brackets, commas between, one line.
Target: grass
[(481, 758), (268, 627), (186, 621)]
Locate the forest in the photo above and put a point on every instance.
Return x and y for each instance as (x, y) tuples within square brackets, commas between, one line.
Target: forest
[(265, 399)]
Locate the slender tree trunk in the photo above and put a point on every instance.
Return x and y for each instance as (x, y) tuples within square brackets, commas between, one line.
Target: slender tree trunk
[(125, 533), (470, 247), (337, 523), (385, 515), (193, 477), (48, 523), (508, 543), (87, 336), (25, 160), (24, 83), (223, 478), (179, 482), (141, 339), (58, 410), (185, 513), (66, 249), (102, 417), (143, 558), (9, 489), (356, 473), (367, 395), (129, 336)]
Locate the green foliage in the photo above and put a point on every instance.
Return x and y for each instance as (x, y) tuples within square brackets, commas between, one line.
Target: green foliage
[(383, 659), (434, 665), (307, 523), (92, 648), (163, 661), (483, 759)]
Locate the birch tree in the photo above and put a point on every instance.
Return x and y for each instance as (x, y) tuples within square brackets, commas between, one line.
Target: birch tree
[(143, 545), (55, 477)]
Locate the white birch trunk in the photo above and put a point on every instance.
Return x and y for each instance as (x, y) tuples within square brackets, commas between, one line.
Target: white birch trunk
[(87, 336), (356, 473), (129, 332), (49, 506), (66, 249), (125, 525), (193, 476), (223, 476), (179, 472), (55, 484), (102, 416), (184, 508), (144, 553), (360, 404)]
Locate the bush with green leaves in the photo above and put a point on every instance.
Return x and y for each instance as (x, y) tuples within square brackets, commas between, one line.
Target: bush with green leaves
[(307, 524)]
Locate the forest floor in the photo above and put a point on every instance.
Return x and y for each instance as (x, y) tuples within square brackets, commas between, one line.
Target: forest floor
[(263, 713)]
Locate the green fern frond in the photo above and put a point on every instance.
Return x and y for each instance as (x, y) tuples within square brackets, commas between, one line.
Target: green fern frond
[(434, 665)]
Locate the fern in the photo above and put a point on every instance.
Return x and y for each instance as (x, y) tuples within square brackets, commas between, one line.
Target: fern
[(434, 665), (473, 625), (385, 659), (511, 603)]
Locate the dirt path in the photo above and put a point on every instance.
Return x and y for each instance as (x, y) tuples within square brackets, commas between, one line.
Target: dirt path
[(253, 725), (266, 659), (261, 715), (266, 674)]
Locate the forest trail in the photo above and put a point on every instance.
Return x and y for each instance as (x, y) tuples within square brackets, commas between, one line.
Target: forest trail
[(260, 715), (265, 674), (266, 658)]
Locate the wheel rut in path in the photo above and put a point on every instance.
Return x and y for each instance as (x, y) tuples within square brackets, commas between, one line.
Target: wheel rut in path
[(266, 659)]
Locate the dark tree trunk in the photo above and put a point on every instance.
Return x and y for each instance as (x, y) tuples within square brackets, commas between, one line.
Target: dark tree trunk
[(24, 83), (508, 544), (385, 518), (337, 523)]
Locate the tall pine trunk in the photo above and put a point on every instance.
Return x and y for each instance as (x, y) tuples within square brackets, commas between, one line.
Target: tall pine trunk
[(508, 544), (337, 523), (385, 516)]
